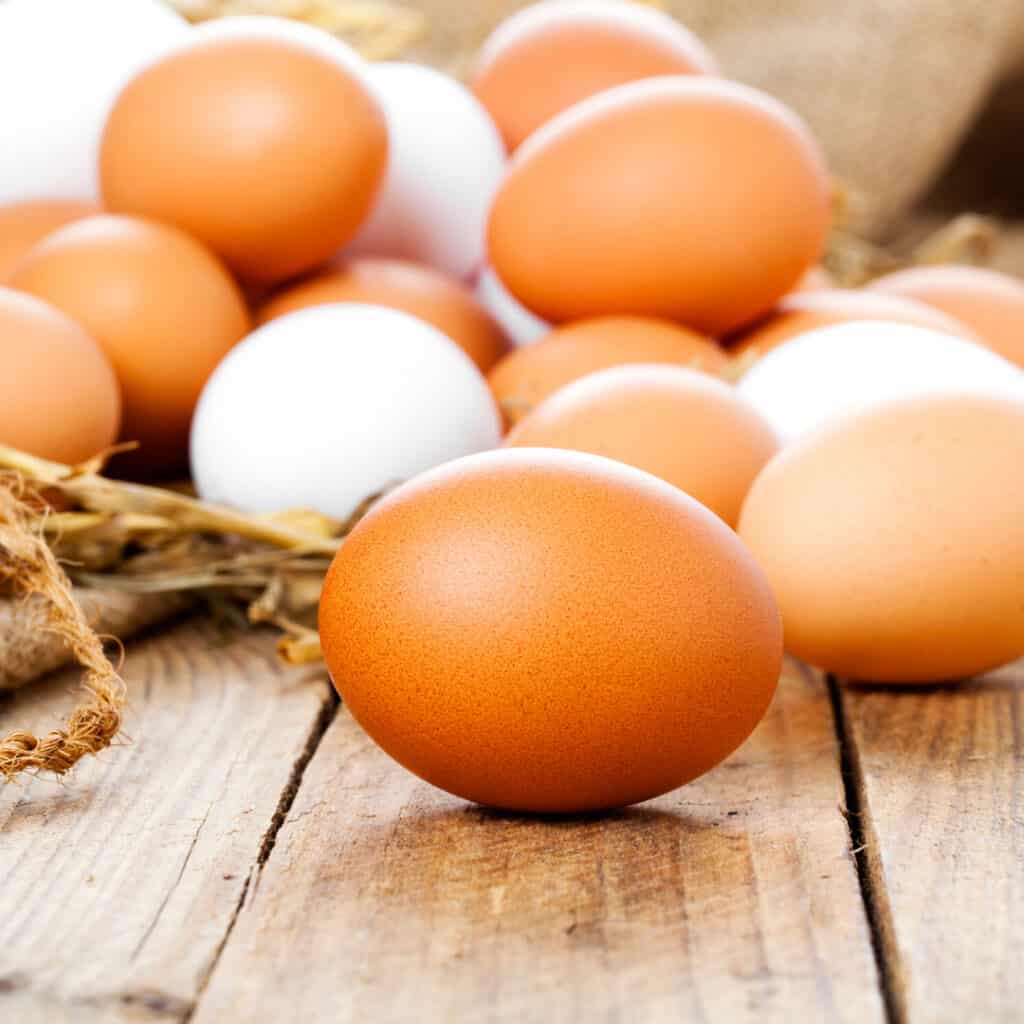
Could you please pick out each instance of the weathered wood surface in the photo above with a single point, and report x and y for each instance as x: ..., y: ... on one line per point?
x: 734, y: 899
x: 118, y: 888
x: 939, y: 773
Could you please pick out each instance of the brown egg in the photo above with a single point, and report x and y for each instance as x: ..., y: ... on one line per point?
x: 58, y: 393
x: 548, y: 56
x: 429, y: 294
x: 24, y: 224
x: 268, y: 150
x: 530, y: 374
x: 694, y: 199
x: 989, y: 303
x: 804, y: 311
x: 162, y: 307
x: 894, y: 540
x: 686, y: 427
x: 549, y: 631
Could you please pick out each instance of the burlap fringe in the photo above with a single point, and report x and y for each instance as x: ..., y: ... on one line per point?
x: 30, y: 568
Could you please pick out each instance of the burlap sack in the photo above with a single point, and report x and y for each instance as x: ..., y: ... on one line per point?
x: 890, y: 87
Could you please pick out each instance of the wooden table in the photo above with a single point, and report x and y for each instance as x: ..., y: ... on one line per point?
x: 251, y: 856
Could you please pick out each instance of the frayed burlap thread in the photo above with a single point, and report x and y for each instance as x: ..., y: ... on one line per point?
x: 29, y: 567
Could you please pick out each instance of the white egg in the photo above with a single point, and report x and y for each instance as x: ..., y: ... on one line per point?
x: 326, y: 406
x: 445, y: 161
x: 845, y: 368
x: 270, y: 26
x: 515, y: 319
x: 62, y: 65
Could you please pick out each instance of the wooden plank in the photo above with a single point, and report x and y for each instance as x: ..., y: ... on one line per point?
x: 733, y: 899
x: 939, y: 775
x: 118, y: 888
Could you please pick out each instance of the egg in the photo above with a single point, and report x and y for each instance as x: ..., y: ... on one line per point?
x: 803, y: 311
x: 24, y: 224
x: 894, y: 541
x: 62, y: 63
x: 815, y: 280
x: 162, y: 307
x: 678, y: 424
x: 548, y: 56
x: 810, y: 379
x: 268, y: 149
x: 516, y: 320
x: 549, y: 631
x: 58, y: 393
x: 988, y: 302
x: 694, y: 199
x: 432, y: 296
x: 330, y: 405
x: 445, y: 164
x: 527, y: 376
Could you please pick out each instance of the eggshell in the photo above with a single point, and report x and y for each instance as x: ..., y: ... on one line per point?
x: 894, y: 540
x: 549, y: 631
x: 330, y: 405
x: 62, y: 63
x: 817, y: 376
x: 24, y: 224
x: 428, y: 294
x: 162, y: 307
x: 548, y: 56
x: 803, y: 311
x: 990, y: 303
x: 516, y: 320
x: 527, y: 376
x: 444, y: 167
x: 680, y: 425
x: 694, y: 199
x: 268, y: 149
x: 58, y: 393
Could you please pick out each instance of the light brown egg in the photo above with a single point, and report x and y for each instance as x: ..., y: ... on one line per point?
x: 58, y: 393
x: 267, y: 150
x: 549, y: 631
x: 530, y: 374
x: 694, y: 199
x: 548, y: 56
x: 817, y: 279
x: 422, y: 291
x: 894, y: 540
x: 683, y: 426
x: 990, y: 303
x: 161, y: 306
x: 804, y: 311
x: 24, y: 224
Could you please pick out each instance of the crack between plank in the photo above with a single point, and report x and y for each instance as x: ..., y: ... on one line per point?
x: 325, y: 716
x: 867, y: 860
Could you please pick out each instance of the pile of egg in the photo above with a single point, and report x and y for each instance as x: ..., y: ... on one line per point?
x: 573, y: 307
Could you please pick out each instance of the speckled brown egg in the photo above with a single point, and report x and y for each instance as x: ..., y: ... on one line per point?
x: 24, y: 224
x: 894, y: 539
x: 162, y: 307
x: 58, y: 393
x: 269, y: 150
x: 549, y: 631
x: 683, y: 426
x: 429, y: 294
x: 684, y: 197
x: 548, y: 56
x: 804, y: 311
x: 988, y: 302
x: 531, y: 373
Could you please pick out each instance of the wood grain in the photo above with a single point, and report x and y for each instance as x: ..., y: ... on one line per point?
x: 734, y: 899
x: 940, y: 779
x: 118, y: 888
